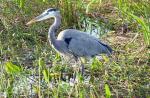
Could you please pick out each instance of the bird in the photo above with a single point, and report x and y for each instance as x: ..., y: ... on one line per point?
x: 71, y: 42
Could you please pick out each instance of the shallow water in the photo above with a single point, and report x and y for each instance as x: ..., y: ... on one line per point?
x: 93, y: 28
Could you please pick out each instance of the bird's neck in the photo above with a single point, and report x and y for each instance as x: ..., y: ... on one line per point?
x: 53, y: 29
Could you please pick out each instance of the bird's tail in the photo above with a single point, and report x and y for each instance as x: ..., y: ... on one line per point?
x: 109, y: 50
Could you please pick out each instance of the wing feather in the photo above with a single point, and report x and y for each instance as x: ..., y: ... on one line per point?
x: 82, y: 44
x: 85, y: 47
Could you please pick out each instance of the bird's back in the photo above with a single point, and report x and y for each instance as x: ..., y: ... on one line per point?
x: 72, y: 33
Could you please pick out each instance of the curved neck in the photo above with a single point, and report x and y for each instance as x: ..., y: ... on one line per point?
x: 52, y: 30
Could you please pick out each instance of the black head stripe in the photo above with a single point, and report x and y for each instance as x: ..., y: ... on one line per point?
x: 52, y: 9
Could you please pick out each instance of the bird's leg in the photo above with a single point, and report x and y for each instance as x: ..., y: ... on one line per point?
x: 82, y: 69
x: 75, y: 67
x: 74, y: 71
x: 82, y: 66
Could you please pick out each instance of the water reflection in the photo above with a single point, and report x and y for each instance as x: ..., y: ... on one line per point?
x: 94, y: 28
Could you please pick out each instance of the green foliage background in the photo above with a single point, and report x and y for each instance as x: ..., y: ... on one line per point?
x: 25, y: 53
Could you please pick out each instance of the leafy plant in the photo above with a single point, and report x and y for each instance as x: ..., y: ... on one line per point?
x: 12, y: 68
x: 107, y: 91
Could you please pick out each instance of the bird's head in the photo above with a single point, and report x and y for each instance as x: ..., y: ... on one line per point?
x: 51, y: 12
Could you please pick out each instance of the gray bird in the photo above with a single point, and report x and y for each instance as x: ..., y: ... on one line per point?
x: 71, y: 42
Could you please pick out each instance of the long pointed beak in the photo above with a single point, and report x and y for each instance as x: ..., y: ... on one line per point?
x: 31, y: 21
x: 38, y: 18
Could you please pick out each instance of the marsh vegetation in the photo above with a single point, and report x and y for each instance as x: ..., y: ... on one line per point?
x: 30, y: 67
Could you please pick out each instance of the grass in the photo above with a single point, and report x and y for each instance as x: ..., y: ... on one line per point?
x: 30, y: 67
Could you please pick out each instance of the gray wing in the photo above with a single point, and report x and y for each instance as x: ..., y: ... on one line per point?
x: 86, y: 47
x: 81, y: 44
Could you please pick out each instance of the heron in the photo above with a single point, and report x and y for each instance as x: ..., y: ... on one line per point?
x: 71, y: 42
